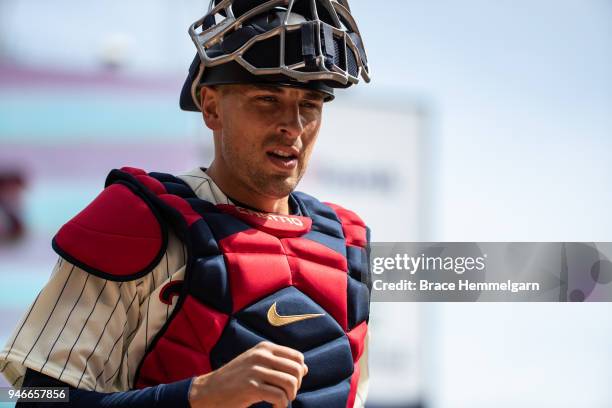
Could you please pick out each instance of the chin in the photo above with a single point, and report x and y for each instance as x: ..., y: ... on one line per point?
x: 280, y: 186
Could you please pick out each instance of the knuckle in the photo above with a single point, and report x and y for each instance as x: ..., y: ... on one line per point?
x: 253, y: 371
x: 252, y: 385
x: 293, y: 382
x: 296, y: 368
x: 266, y: 345
x: 289, y: 385
x: 298, y: 356
x: 258, y: 356
x: 294, y: 387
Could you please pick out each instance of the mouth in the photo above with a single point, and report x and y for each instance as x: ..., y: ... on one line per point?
x: 285, y: 158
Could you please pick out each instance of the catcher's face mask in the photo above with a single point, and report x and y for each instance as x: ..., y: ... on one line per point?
x: 312, y: 44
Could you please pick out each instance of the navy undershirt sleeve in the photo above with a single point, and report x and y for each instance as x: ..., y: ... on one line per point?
x: 175, y: 394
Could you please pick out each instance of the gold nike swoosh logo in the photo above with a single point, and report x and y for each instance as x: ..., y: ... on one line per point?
x: 277, y: 320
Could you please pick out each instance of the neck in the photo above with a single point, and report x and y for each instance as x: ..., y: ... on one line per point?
x: 244, y: 194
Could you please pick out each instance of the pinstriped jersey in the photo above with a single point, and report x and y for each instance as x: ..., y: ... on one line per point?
x: 92, y: 333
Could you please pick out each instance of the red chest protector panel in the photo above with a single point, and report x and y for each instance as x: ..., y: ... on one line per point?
x: 249, y: 275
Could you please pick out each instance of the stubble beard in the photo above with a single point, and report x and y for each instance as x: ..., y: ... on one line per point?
x: 259, y: 181
x: 277, y: 186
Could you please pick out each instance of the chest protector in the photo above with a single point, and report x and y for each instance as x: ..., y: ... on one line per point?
x: 299, y: 281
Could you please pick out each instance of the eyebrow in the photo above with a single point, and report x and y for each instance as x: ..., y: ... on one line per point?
x: 270, y: 88
x: 314, y: 95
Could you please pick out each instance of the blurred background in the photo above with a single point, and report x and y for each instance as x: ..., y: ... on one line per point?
x: 485, y: 121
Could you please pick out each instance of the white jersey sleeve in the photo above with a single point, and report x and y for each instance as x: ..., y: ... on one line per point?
x: 75, y: 329
x: 91, y: 332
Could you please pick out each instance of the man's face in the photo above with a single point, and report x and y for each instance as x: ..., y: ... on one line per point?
x: 265, y: 135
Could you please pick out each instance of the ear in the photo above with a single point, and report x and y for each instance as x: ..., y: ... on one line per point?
x: 210, y: 101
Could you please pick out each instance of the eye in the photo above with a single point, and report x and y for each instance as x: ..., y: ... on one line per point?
x: 310, y: 105
x: 267, y: 98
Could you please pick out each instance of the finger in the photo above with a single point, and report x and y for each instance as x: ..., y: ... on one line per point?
x: 287, y: 352
x: 272, y: 394
x: 284, y: 352
x: 287, y: 366
x: 282, y: 380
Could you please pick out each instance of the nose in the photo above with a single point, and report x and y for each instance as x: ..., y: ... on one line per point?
x: 291, y: 122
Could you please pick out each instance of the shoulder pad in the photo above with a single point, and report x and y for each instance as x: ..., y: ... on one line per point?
x: 119, y: 236
x: 355, y: 231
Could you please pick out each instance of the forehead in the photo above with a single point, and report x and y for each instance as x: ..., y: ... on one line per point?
x: 276, y: 89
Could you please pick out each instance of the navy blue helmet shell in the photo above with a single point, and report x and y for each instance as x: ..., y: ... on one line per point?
x: 312, y: 44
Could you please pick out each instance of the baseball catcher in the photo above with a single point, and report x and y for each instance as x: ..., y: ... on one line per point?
x: 222, y: 286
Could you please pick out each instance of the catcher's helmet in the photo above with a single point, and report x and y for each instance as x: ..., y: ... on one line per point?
x: 313, y: 44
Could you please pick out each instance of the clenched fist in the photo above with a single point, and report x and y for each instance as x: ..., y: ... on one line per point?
x: 266, y: 372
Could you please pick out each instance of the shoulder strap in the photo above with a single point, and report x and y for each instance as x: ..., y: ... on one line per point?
x: 353, y: 229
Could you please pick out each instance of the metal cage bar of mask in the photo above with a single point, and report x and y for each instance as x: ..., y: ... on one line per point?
x: 213, y: 33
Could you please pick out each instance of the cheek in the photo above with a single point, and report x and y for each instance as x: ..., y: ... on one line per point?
x: 309, y: 138
x: 236, y: 131
x: 241, y: 146
x: 245, y: 130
